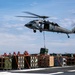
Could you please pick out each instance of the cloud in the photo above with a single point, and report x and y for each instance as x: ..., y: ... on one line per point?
x: 67, y: 23
x: 72, y: 11
x: 12, y: 18
x: 8, y: 38
x: 10, y: 22
x: 62, y: 46
x: 34, y: 4
x: 16, y: 42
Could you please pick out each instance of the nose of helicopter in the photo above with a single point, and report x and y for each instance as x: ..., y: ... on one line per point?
x: 28, y: 25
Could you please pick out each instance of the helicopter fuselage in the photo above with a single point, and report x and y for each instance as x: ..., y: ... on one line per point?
x: 50, y: 26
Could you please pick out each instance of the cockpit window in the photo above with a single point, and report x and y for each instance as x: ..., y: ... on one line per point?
x: 32, y: 22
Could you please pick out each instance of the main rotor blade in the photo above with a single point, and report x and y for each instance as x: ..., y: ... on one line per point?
x: 28, y: 16
x: 32, y: 14
x: 37, y: 15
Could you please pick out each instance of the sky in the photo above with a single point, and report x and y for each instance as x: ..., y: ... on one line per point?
x: 15, y: 37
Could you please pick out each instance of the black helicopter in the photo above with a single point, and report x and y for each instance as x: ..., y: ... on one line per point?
x: 43, y: 25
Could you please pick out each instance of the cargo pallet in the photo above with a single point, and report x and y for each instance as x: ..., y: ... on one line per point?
x: 26, y: 61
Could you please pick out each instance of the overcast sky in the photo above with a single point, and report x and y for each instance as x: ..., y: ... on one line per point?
x: 15, y: 37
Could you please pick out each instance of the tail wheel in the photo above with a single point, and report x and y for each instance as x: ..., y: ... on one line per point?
x: 68, y: 36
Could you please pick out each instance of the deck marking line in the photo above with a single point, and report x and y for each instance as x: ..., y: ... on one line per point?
x: 56, y: 73
x: 24, y: 70
x: 71, y: 70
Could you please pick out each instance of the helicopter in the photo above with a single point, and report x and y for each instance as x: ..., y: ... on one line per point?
x: 45, y: 25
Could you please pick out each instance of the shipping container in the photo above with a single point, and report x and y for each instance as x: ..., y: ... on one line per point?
x: 34, y: 60
x: 18, y: 62
x: 14, y: 62
x: 21, y: 62
x: 5, y: 63
x: 45, y: 61
x: 70, y: 61
x: 58, y: 61
x: 51, y: 61
x: 1, y: 63
x: 27, y: 62
x: 31, y: 61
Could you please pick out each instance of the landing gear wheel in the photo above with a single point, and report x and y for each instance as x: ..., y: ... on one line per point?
x: 40, y: 30
x: 34, y: 31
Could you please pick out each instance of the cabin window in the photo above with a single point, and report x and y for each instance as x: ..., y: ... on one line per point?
x: 46, y: 26
x: 51, y: 27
